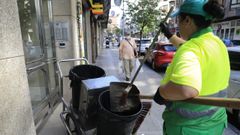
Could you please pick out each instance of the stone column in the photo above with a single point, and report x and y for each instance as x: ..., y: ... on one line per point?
x: 16, y: 115
x: 88, y: 34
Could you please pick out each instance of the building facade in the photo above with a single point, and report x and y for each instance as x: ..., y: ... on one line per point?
x: 229, y: 27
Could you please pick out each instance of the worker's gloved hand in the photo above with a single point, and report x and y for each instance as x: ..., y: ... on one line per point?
x: 160, y: 100
x: 165, y: 30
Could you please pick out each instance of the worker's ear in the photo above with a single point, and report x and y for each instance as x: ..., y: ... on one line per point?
x: 188, y: 20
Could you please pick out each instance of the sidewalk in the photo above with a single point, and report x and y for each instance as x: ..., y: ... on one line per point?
x: 147, y: 82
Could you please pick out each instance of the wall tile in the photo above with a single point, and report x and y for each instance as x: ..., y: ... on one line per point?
x: 15, y: 110
x: 10, y: 33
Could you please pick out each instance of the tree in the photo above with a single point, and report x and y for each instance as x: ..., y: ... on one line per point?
x: 144, y: 15
x: 117, y: 31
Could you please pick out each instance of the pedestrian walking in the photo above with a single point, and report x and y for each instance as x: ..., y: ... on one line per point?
x: 127, y: 53
x: 200, y: 67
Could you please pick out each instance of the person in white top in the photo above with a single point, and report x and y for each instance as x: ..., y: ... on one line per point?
x: 126, y: 54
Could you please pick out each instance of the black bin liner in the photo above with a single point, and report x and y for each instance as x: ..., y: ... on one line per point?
x: 112, y: 123
x: 79, y: 73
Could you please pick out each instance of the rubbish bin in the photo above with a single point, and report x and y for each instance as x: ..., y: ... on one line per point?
x: 112, y: 123
x: 79, y: 73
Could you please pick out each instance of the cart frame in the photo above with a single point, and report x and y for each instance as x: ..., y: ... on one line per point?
x: 68, y: 112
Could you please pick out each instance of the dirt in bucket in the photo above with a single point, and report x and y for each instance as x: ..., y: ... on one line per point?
x: 120, y: 100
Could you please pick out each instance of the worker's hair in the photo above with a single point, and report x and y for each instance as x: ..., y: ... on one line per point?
x: 213, y: 8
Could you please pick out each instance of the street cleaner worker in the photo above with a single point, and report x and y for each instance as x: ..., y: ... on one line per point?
x: 200, y: 67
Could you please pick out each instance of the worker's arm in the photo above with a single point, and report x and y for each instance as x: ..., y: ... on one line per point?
x: 172, y: 91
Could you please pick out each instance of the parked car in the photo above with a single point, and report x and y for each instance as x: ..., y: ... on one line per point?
x: 233, y: 90
x: 234, y: 56
x: 227, y: 42
x: 236, y: 42
x: 161, y: 55
x: 145, y: 43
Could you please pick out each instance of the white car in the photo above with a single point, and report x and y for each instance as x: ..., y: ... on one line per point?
x: 145, y: 43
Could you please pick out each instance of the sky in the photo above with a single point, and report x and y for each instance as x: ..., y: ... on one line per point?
x: 116, y: 11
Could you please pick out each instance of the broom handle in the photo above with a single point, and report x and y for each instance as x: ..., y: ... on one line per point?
x: 214, y: 101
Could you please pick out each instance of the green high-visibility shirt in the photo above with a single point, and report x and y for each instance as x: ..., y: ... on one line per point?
x: 202, y: 63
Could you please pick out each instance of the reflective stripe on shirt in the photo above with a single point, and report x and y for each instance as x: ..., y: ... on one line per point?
x: 193, y: 114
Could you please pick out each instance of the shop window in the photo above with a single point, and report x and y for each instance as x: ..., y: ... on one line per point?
x: 235, y: 4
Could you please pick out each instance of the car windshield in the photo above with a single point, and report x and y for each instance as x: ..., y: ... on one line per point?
x: 169, y: 48
x: 143, y: 41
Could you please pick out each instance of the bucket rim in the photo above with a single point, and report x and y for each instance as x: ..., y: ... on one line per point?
x: 108, y: 111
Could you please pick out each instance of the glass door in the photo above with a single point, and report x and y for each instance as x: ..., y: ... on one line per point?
x: 30, y: 30
x: 50, y: 56
x: 37, y: 34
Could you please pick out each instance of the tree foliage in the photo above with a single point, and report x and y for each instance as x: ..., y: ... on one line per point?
x: 143, y: 15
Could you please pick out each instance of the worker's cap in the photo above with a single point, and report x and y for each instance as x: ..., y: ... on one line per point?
x: 193, y: 7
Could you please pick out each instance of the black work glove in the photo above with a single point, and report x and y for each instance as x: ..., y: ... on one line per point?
x: 165, y: 30
x: 160, y: 100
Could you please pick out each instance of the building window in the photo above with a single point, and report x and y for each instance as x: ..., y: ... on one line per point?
x: 233, y: 23
x: 222, y: 33
x: 235, y: 4
x: 226, y: 33
x: 238, y: 22
x: 232, y: 33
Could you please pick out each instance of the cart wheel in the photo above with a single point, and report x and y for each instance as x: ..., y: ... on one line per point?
x: 71, y: 123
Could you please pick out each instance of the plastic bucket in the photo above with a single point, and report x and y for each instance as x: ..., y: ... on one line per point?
x: 112, y: 123
x: 79, y: 73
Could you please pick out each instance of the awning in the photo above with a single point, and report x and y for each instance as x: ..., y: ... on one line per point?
x: 100, y: 7
x: 97, y: 7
